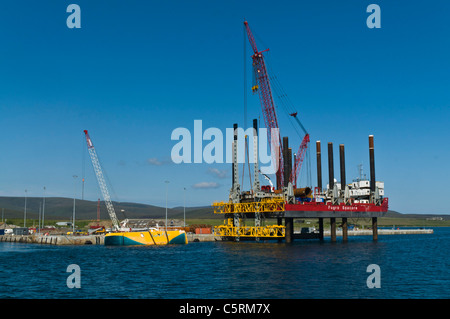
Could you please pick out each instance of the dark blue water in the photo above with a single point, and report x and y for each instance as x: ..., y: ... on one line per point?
x: 411, y: 266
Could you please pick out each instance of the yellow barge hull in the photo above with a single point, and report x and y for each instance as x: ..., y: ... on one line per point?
x: 147, y: 238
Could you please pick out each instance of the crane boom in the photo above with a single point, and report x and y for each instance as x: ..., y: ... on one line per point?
x: 101, y: 181
x: 270, y: 116
x: 301, y: 152
x: 267, y: 103
x: 299, y: 160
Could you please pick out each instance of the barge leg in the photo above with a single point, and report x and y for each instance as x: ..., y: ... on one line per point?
x: 333, y: 229
x: 344, y: 229
x: 289, y: 224
x: 372, y: 166
x: 321, y: 229
x: 375, y: 228
x: 319, y: 166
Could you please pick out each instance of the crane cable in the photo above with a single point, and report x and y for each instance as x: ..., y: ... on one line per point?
x: 245, y: 112
x: 245, y: 80
x: 288, y: 106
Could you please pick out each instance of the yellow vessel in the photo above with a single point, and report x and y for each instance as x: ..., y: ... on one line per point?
x: 148, y: 237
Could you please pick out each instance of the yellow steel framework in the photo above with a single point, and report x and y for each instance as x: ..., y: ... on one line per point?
x: 272, y: 231
x: 265, y: 206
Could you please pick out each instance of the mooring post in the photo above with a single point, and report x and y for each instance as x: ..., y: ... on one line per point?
x: 344, y: 229
x: 375, y: 228
x: 333, y: 228
x: 289, y: 224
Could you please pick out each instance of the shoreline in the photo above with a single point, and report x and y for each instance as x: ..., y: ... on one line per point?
x: 192, y: 238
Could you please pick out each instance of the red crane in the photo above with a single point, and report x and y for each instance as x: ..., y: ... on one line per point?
x: 266, y: 98
x: 269, y: 112
x: 300, y: 154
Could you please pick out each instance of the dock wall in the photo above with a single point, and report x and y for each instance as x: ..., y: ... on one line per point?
x: 326, y: 233
x: 368, y: 232
x: 54, y: 239
x: 192, y: 238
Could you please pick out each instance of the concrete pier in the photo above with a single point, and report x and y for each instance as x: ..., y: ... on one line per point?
x: 192, y: 238
x: 196, y: 238
x: 369, y: 232
x: 54, y: 239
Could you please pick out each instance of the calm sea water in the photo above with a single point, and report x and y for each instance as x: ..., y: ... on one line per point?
x: 412, y: 266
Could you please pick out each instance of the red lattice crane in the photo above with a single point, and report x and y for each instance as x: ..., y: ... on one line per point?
x: 269, y: 112
x: 266, y: 98
x: 300, y: 154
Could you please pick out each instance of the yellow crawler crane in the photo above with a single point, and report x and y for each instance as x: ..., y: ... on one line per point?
x: 266, y: 205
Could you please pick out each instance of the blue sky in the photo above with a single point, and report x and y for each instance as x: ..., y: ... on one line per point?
x: 137, y: 70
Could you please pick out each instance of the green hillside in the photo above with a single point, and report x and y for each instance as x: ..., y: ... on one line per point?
x: 58, y: 208
x: 62, y: 209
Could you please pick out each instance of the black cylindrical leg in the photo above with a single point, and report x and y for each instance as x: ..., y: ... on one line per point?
x: 344, y: 229
x: 375, y: 228
x: 333, y: 229
x: 342, y: 162
x: 330, y: 166
x: 372, y: 164
x: 321, y: 229
x: 319, y: 166
x: 289, y: 224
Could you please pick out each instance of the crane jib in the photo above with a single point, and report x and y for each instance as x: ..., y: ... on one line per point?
x: 88, y: 139
x: 267, y: 102
x: 101, y: 182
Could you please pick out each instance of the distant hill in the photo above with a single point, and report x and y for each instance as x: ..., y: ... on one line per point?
x: 197, y: 212
x: 62, y: 209
x: 394, y: 214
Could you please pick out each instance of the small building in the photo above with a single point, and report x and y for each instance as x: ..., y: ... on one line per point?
x: 20, y: 231
x: 64, y: 224
x: 4, y: 228
x: 203, y: 231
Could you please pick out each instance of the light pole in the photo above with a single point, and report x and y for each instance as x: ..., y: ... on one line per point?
x: 167, y: 190
x: 82, y: 189
x: 39, y: 220
x: 25, y: 211
x: 43, y: 208
x: 74, y: 193
x: 124, y: 222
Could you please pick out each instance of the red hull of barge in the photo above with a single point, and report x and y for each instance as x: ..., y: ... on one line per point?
x: 327, y: 207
